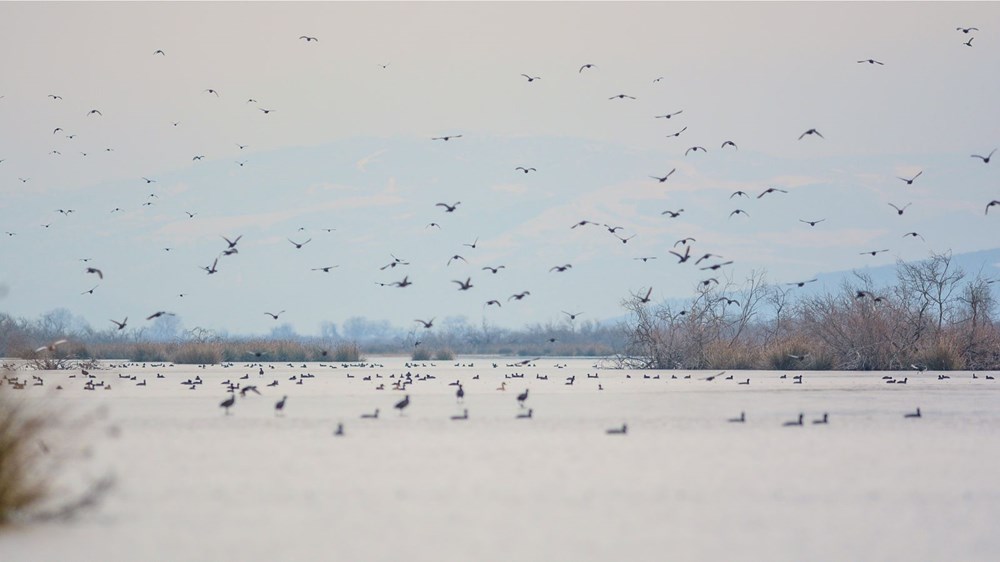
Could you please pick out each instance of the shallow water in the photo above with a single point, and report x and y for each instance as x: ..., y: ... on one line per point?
x: 683, y: 484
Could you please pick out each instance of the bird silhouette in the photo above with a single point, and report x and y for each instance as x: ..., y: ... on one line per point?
x: 871, y: 61
x: 560, y: 268
x: 966, y: 29
x: 531, y: 78
x: 404, y: 283
x: 873, y: 252
x: 473, y: 245
x: 991, y: 204
x: 447, y: 138
x: 682, y: 258
x: 572, y: 316
x: 771, y: 190
x: 664, y: 178
x: 90, y: 291
x: 673, y: 214
x: 464, y: 286
x: 584, y: 223
x: 812, y: 223
x: 211, y: 91
x: 279, y: 407
x: 456, y: 257
x: 121, y: 325
x: 159, y: 52
x: 644, y: 259
x: 325, y: 269
x: 811, y: 132
x: 969, y: 42
x: 899, y: 210
x: 212, y: 269
x: 717, y: 266
x: 739, y: 212
x: 297, y: 245
x: 585, y: 66
x: 427, y: 324
x: 228, y: 403
x: 308, y: 38
x: 739, y: 194
x: 518, y: 296
x: 525, y: 170
x: 624, y: 240
x: 909, y: 181
x: 669, y: 115
x: 274, y: 315
x: 494, y: 270
x: 98, y: 272
x: 985, y: 159
x: 915, y: 235
x: 645, y: 299
x: 694, y: 149
x: 158, y: 314
x: 402, y: 404
x: 800, y: 283
x: 493, y: 301
x: 678, y: 133
x: 448, y: 208
x: 621, y: 97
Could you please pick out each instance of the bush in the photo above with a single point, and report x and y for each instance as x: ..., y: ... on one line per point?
x: 420, y: 355
x: 444, y: 355
x: 21, y: 483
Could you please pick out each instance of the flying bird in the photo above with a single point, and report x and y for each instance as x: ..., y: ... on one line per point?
x: 812, y: 223
x: 232, y: 243
x: 525, y: 170
x: 729, y: 143
x: 664, y: 178
x: 645, y: 299
x: 325, y: 269
x: 695, y: 149
x: 899, y: 211
x: 404, y: 283
x: 448, y: 208
x: 584, y: 223
x: 871, y: 61
x: 739, y: 212
x: 800, y: 283
x: 212, y: 269
x: 969, y: 42
x: 811, y: 132
x: 673, y: 214
x: 682, y: 258
x: 669, y: 115
x: 308, y: 39
x: 94, y: 111
x: 297, y: 245
x: 585, y: 66
x: 496, y: 302
x: 678, y: 133
x: 274, y: 315
x: 915, y: 235
x: 985, y: 159
x: 456, y: 257
x: 121, y: 325
x: 494, y: 270
x: 872, y: 252
x: 427, y: 324
x: 560, y: 268
x: 98, y: 272
x: 966, y: 29
x: 464, y: 286
x: 572, y: 316
x: 518, y: 296
x: 715, y: 267
x: 447, y: 138
x: 621, y: 97
x: 531, y: 78
x: 771, y: 190
x: 159, y: 52
x: 211, y: 91
x: 158, y: 314
x: 991, y: 204
x: 910, y: 180
x: 473, y: 245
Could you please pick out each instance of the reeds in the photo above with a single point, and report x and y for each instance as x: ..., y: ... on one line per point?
x: 22, y: 481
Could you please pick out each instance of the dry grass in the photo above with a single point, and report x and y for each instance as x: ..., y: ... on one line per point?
x: 22, y: 478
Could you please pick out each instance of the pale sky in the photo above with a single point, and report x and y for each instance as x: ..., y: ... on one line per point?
x: 348, y: 147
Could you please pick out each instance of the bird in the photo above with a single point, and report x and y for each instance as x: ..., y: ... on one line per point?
x: 812, y: 223
x: 158, y: 314
x: 991, y: 204
x: 669, y: 115
x: 51, y: 347
x: 212, y: 269
x: 190, y: 214
x: 404, y: 283
x: 464, y: 286
x: 811, y: 132
x: 266, y: 111
x: 456, y: 257
x: 584, y: 223
x: 297, y: 245
x: 98, y: 272
x: 913, y: 414
x: 308, y: 38
x: 447, y: 138
x: 340, y: 430
x: 801, y: 283
x: 531, y: 78
x: 148, y: 181
x: 402, y: 404
x: 644, y: 259
x: 684, y: 241
x: 228, y: 403
x: 673, y: 214
x: 966, y: 29
x: 494, y: 270
x: 899, y: 210
x: 280, y: 405
x: 645, y: 299
x: 572, y: 316
x: 522, y: 397
x: 739, y: 212
x: 55, y: 97
x: 493, y: 301
x: 241, y: 163
x: 618, y: 430
x: 426, y: 323
x: 560, y: 268
x: 794, y: 423
x: 625, y: 240
x: 159, y: 52
x: 525, y: 415
x: 370, y: 416
x: 715, y: 267
x: 95, y: 112
x: 525, y: 170
x: 274, y: 315
x: 915, y: 235
x: 621, y: 97
x: 395, y: 261
x: 871, y: 61
x: 873, y: 252
x: 448, y: 208
x: 771, y: 190
x: 985, y: 159
x: 121, y: 325
x: 741, y: 419
x: 664, y: 178
x: 518, y: 296
x: 909, y: 181
x: 824, y: 420
x: 705, y: 257
x: 678, y: 133
x: 434, y: 224
x: 91, y: 291
x: 325, y: 269
x: 463, y: 416
x: 211, y: 91
x: 969, y: 42
x: 588, y: 65
x: 694, y: 149
x: 729, y: 143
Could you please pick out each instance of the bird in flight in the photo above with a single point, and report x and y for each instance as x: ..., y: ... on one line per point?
x: 121, y: 325
x: 966, y: 29
x: 915, y: 235
x: 624, y: 240
x: 518, y: 296
x: 739, y: 212
x: 771, y: 190
x: 812, y: 223
x: 800, y: 283
x: 729, y: 143
x: 448, y: 208
x: 493, y: 301
x: 494, y: 270
x: 717, y: 266
x: 899, y: 211
x: 297, y: 245
x: 531, y: 78
x: 991, y: 204
x: 427, y: 324
x: 401, y: 284
x: 621, y: 97
x: 584, y: 223
x: 159, y: 52
x: 211, y: 91
x: 325, y: 269
x: 198, y: 157
x: 588, y: 65
x: 872, y: 252
x: 464, y: 286
x: 684, y: 241
x: 148, y: 181
x: 91, y: 291
x: 96, y: 271
x: 447, y: 137
x: 525, y: 170
x: 695, y: 149
x: 308, y: 39
x: 212, y: 269
x: 395, y: 261
x: 232, y: 243
x: 871, y: 61
x: 645, y: 299
x: 158, y: 314
x: 572, y: 316
x: 811, y: 132
x: 473, y: 245
x: 560, y: 268
x: 682, y: 258
x: 969, y: 42
x: 644, y: 259
x: 985, y: 159
x: 678, y: 133
x: 705, y: 257
x: 669, y: 115
x: 456, y: 257
x: 739, y: 193
x: 55, y: 97
x: 274, y: 315
x: 673, y: 214
x: 664, y: 178
x: 266, y: 111
x: 910, y: 180
x: 93, y: 112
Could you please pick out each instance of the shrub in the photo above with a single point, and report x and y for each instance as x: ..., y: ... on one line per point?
x: 21, y: 482
x: 444, y: 355
x: 420, y: 355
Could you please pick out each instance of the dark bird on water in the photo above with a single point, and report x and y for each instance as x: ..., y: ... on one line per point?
x: 280, y: 405
x: 402, y: 404
x: 228, y: 403
x: 913, y: 414
x: 618, y: 430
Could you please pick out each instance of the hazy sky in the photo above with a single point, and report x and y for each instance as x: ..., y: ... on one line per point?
x: 348, y: 147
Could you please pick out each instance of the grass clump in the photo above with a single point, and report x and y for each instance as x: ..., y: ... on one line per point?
x: 21, y: 486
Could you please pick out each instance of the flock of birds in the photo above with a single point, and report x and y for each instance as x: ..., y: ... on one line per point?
x: 682, y: 248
